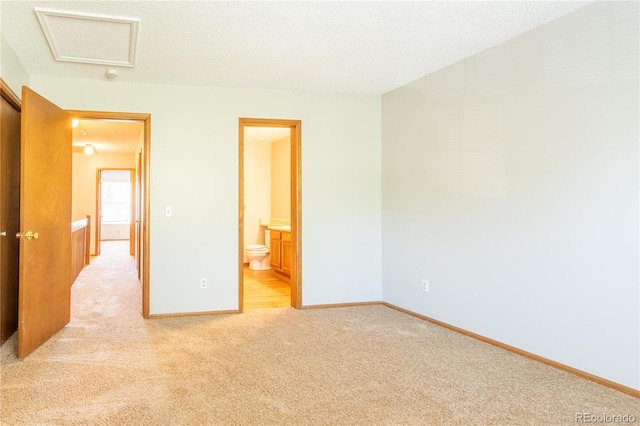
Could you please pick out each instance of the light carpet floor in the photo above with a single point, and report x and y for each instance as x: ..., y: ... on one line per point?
x: 368, y: 365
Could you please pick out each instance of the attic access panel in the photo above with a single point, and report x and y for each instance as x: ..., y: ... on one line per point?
x: 89, y: 38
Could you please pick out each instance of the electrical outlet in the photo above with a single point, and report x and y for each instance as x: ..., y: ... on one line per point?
x: 203, y: 283
x: 425, y: 286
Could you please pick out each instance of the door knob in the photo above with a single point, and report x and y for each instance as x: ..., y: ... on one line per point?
x: 28, y: 235
x: 3, y: 233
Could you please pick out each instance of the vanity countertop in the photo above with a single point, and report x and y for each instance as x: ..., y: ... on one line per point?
x: 283, y: 228
x: 275, y: 224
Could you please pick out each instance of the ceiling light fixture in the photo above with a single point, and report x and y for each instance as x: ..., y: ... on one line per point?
x: 89, y: 149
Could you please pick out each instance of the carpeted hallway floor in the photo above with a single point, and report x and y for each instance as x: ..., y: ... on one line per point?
x: 367, y: 365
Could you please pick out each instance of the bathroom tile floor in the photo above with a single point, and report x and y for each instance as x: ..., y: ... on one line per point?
x: 264, y: 289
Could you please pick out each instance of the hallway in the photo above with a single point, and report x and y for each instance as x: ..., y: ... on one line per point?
x: 109, y: 284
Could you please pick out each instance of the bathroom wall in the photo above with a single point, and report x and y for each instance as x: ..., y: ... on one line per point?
x: 281, y: 179
x: 511, y: 183
x: 267, y: 186
x: 257, y: 190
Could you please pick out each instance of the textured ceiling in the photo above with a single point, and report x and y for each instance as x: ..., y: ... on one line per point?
x: 346, y: 47
x: 113, y: 40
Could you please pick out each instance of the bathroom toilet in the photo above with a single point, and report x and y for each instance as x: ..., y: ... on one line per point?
x: 258, y: 257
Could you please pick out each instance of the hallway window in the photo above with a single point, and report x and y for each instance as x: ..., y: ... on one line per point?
x: 116, y: 197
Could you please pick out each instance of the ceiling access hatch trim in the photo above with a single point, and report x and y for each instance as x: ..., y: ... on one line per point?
x: 89, y: 38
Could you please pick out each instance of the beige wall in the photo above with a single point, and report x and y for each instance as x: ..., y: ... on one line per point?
x: 281, y: 179
x: 510, y: 182
x: 194, y: 169
x: 11, y: 69
x: 84, y: 183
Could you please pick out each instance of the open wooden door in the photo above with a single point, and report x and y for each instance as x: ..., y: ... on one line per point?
x: 98, y: 211
x: 132, y: 215
x: 45, y: 222
x: 9, y: 209
x: 138, y: 215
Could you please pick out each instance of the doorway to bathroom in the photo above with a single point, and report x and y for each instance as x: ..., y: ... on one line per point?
x: 269, y: 214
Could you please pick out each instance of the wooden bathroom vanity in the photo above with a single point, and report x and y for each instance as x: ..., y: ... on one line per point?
x: 281, y: 252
